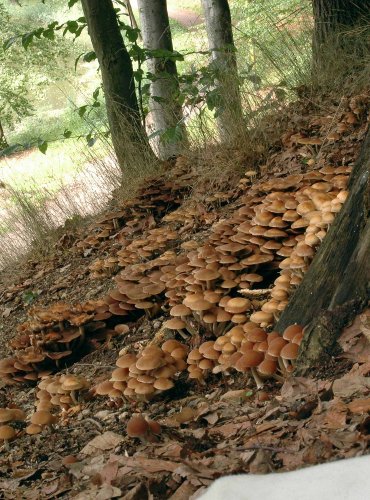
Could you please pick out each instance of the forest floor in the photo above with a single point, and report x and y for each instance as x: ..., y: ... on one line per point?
x: 225, y: 426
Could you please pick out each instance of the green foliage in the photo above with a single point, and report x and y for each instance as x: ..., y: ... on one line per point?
x: 29, y: 68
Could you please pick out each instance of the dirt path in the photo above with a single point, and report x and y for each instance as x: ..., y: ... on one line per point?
x: 185, y: 17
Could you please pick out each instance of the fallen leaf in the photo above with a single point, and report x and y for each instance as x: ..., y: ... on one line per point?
x: 359, y: 406
x: 350, y: 385
x: 106, y: 441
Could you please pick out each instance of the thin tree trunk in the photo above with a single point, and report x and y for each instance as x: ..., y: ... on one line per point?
x: 337, y: 284
x: 221, y: 45
x: 118, y: 80
x: 3, y: 142
x: 165, y: 111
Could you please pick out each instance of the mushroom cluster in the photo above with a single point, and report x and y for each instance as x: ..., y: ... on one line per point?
x: 155, y: 198
x: 144, y: 375
x: 53, y: 392
x: 143, y: 429
x: 262, y: 251
x: 9, y: 416
x: 247, y: 348
x: 52, y: 337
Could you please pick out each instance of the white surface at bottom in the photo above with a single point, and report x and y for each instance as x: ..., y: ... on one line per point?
x: 341, y: 480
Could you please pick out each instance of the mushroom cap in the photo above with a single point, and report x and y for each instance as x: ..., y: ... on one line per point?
x: 237, y: 305
x: 154, y: 427
x: 249, y: 360
x: 291, y: 331
x: 42, y: 417
x: 180, y: 310
x: 267, y: 367
x: 120, y: 375
x: 73, y: 383
x: 172, y: 344
x: 104, y: 388
x: 262, y: 317
x: 206, y: 275
x: 126, y: 360
x: 143, y: 389
x: 276, y: 346
x: 257, y: 335
x: 163, y: 384
x: 6, y: 432
x: 174, y: 324
x: 289, y: 352
x: 6, y: 415
x: 33, y: 429
x: 137, y: 426
x: 150, y: 362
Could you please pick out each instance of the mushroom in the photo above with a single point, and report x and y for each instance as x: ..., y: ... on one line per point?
x: 7, y: 433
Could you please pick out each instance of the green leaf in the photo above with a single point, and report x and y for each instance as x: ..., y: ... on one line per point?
x: 82, y: 110
x: 71, y: 3
x: 67, y: 134
x: 9, y: 42
x: 96, y: 93
x: 89, y: 56
x: 43, y: 146
x: 27, y: 40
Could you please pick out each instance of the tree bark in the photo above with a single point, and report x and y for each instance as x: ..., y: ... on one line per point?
x: 337, y: 284
x: 165, y: 111
x: 3, y: 142
x: 221, y: 45
x: 333, y: 17
x: 118, y: 80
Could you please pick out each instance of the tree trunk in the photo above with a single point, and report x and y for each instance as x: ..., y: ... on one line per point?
x: 166, y: 113
x: 221, y: 45
x: 125, y: 125
x: 337, y: 284
x: 332, y: 19
x: 3, y: 142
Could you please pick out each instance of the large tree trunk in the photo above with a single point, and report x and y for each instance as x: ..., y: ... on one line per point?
x: 166, y: 114
x: 221, y: 45
x: 125, y: 125
x: 337, y: 283
x: 333, y: 19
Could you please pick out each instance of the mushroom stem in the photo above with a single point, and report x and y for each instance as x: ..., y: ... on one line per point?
x: 257, y: 378
x: 282, y: 366
x: 82, y: 337
x: 183, y: 334
x: 73, y: 397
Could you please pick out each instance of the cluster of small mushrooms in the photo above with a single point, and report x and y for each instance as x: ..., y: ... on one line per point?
x: 54, y: 336
x: 222, y: 295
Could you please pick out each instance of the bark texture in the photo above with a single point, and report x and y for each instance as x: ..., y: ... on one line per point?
x: 337, y: 283
x: 221, y: 45
x: 117, y: 76
x: 3, y: 142
x: 164, y: 89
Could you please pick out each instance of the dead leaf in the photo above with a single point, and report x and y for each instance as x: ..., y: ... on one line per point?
x: 109, y: 472
x: 359, y: 406
x: 106, y: 441
x: 6, y: 312
x: 184, y: 491
x: 350, y: 385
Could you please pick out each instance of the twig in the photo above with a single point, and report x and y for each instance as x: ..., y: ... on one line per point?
x: 256, y: 292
